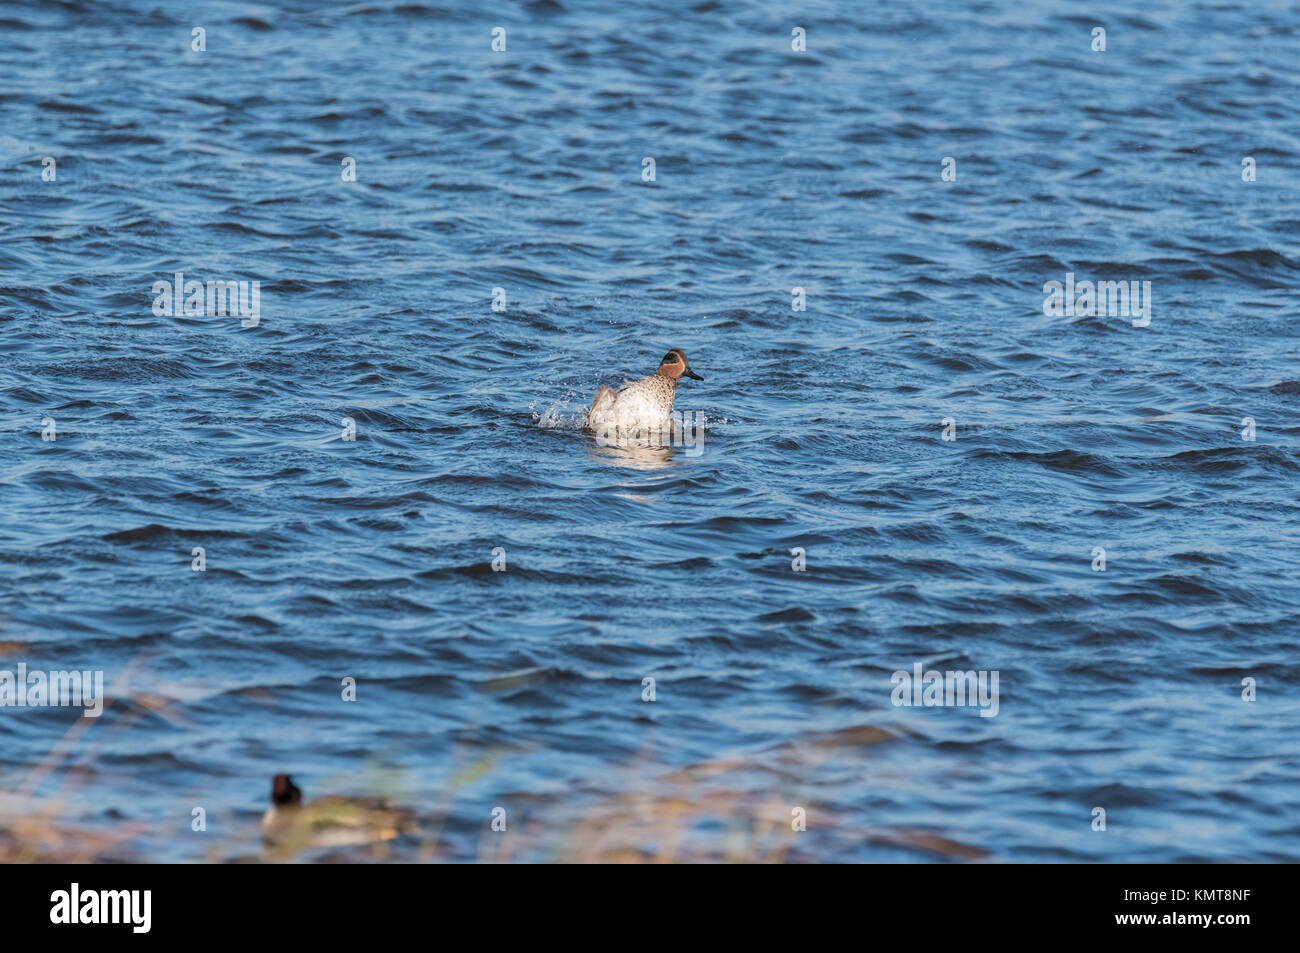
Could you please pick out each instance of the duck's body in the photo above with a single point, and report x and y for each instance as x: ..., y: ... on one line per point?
x: 333, y: 821
x: 645, y: 405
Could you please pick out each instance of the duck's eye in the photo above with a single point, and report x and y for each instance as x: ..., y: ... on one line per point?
x: 669, y: 358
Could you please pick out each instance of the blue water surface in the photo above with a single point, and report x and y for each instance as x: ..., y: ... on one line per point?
x: 826, y: 536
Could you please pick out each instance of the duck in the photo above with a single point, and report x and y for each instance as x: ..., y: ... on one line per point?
x: 642, y: 405
x: 332, y: 821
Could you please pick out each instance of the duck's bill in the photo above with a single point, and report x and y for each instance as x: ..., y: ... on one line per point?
x: 694, y: 376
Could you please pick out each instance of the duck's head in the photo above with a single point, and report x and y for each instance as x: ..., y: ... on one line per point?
x: 284, y: 792
x: 675, y: 365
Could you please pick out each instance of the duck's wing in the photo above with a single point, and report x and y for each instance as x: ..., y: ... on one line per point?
x: 376, y: 816
x: 604, y: 398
